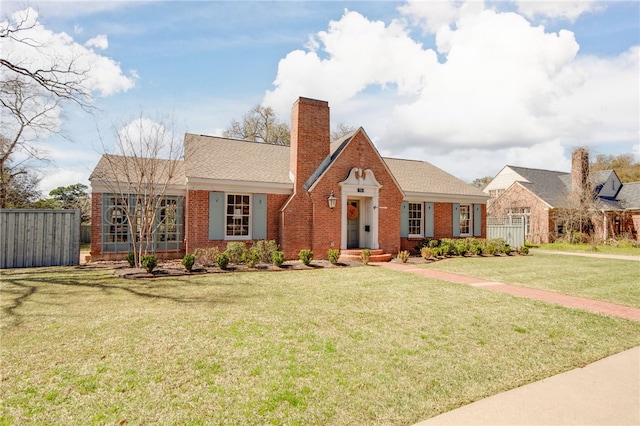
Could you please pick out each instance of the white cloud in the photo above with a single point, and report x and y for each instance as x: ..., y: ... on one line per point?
x: 144, y: 137
x: 100, y: 41
x: 503, y: 89
x: 566, y: 9
x: 355, y: 53
x: 47, y: 48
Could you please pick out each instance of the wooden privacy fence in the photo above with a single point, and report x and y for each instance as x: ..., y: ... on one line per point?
x: 510, y: 229
x: 31, y: 238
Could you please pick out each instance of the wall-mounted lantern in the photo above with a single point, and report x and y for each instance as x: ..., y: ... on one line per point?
x: 332, y: 201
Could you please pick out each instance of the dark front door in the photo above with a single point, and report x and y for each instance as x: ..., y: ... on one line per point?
x: 353, y: 224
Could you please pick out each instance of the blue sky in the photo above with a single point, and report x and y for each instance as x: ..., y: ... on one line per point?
x: 469, y: 87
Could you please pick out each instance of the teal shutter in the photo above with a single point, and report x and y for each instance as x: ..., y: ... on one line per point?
x: 455, y: 231
x: 259, y: 221
x: 477, y: 220
x: 428, y: 220
x: 404, y: 219
x: 216, y: 215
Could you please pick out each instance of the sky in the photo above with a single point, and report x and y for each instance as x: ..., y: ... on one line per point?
x: 468, y: 86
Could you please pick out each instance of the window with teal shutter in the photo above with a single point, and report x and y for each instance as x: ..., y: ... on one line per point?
x: 429, y: 220
x: 404, y: 219
x: 216, y: 215
x: 477, y: 220
x: 455, y: 231
x: 259, y: 216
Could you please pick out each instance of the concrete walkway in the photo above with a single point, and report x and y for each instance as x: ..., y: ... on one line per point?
x: 606, y: 392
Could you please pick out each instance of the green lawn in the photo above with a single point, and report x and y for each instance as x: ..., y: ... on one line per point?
x: 610, y: 280
x: 326, y: 346
x: 621, y: 248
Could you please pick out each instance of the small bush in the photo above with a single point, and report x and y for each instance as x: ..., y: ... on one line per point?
x: 235, y: 251
x: 222, y: 260
x: 306, y: 256
x: 365, y: 256
x: 206, y: 256
x: 475, y: 247
x: 265, y: 249
x: 448, y: 247
x: 437, y: 251
x: 506, y: 249
x: 333, y: 255
x: 187, y: 261
x: 277, y: 258
x: 426, y: 253
x: 251, y: 257
x: 491, y: 249
x: 462, y: 247
x: 403, y: 256
x: 524, y: 250
x: 131, y: 259
x: 149, y: 262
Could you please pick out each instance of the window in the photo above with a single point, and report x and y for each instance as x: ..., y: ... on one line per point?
x: 495, y: 193
x: 521, y: 214
x: 238, y: 216
x: 465, y: 220
x: 168, y: 220
x: 416, y: 217
x: 117, y: 230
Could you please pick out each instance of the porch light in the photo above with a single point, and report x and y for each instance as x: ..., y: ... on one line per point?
x: 332, y: 201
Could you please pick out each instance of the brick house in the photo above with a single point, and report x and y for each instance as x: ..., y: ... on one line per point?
x: 543, y: 197
x: 314, y: 194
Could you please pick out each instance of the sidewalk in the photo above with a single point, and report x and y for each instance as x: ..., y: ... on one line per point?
x: 606, y: 392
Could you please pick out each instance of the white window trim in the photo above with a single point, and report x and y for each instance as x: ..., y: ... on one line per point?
x: 226, y: 206
x: 422, y: 220
x: 470, y: 233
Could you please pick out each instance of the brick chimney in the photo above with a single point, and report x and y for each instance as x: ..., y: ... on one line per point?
x: 580, y: 174
x: 310, y: 138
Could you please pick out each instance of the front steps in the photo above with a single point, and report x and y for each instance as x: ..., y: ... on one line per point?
x: 377, y: 255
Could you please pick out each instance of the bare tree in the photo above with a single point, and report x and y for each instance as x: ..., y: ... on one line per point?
x: 342, y: 129
x: 27, y: 115
x: 260, y: 124
x: 63, y: 78
x: 146, y: 163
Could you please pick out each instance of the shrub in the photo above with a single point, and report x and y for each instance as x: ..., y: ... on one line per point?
x: 187, y: 261
x: 426, y: 253
x: 131, y: 258
x: 475, y: 247
x: 365, y: 255
x: 403, y: 256
x: 434, y: 243
x: 306, y: 256
x: 277, y: 258
x: 491, y: 249
x: 206, y: 256
x: 265, y: 249
x: 506, y: 249
x: 524, y: 250
x: 222, y: 260
x: 437, y: 251
x: 462, y: 247
x: 333, y: 255
x: 448, y: 247
x: 149, y: 262
x: 251, y: 257
x: 235, y: 251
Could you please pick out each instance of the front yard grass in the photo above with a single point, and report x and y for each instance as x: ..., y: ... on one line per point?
x: 609, y: 280
x: 328, y: 346
x: 622, y: 248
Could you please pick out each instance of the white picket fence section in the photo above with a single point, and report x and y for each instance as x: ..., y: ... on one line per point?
x: 31, y: 238
x: 511, y: 229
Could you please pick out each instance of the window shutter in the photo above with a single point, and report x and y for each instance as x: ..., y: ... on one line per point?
x: 428, y: 220
x: 216, y: 215
x: 259, y: 222
x: 477, y: 220
x: 455, y: 231
x: 404, y: 219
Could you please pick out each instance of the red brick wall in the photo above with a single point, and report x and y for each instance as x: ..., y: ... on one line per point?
x: 197, y: 221
x: 96, y: 224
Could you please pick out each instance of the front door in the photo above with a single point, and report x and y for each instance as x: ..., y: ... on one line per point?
x: 353, y: 224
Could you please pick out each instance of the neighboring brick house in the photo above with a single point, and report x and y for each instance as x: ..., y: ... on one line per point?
x: 540, y: 197
x: 236, y: 190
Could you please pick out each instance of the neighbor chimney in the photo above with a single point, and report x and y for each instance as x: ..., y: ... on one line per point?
x: 580, y: 174
x: 310, y: 138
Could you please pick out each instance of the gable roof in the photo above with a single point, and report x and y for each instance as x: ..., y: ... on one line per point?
x: 422, y: 177
x: 629, y: 195
x: 223, y: 159
x: 113, y: 168
x: 550, y: 186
